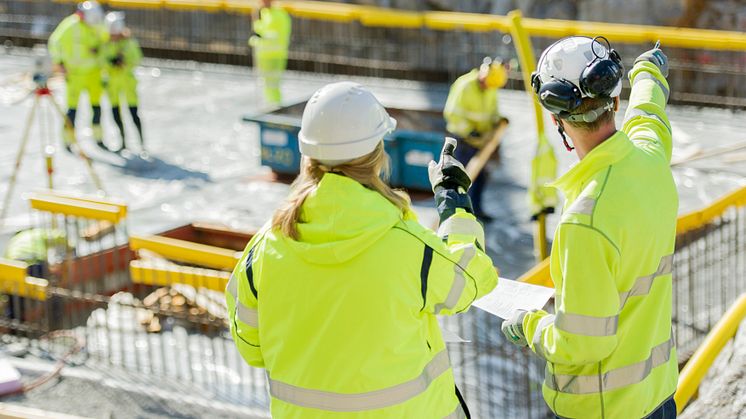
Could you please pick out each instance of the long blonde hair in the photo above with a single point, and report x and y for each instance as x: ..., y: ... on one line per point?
x: 366, y: 170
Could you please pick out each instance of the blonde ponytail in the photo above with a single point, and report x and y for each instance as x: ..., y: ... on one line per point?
x: 365, y: 170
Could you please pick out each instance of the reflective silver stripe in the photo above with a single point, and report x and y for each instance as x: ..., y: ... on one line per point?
x: 634, y: 112
x: 583, y: 205
x: 614, y: 379
x: 456, y: 414
x: 459, y: 282
x: 247, y: 315
x: 342, y: 402
x: 465, y: 226
x: 643, y: 284
x: 580, y: 324
x: 544, y: 322
x: 232, y: 287
x: 647, y: 76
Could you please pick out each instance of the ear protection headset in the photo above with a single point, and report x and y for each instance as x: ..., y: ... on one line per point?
x: 598, y: 80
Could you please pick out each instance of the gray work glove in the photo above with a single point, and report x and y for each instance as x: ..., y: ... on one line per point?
x: 657, y: 57
x: 448, y: 173
x: 512, y: 328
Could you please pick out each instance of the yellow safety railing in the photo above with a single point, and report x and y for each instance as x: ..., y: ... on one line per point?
x: 70, y: 205
x: 152, y: 273
x: 187, y: 252
x: 382, y: 17
x: 691, y: 221
x: 14, y: 281
x: 696, y: 369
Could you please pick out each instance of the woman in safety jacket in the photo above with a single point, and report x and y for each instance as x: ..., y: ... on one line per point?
x: 336, y: 298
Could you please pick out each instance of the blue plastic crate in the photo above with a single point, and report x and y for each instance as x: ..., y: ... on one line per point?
x: 279, y: 145
x: 416, y: 149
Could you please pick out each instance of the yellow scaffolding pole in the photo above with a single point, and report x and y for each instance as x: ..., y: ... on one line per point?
x: 696, y: 369
x: 14, y: 281
x: 446, y: 21
x: 153, y: 273
x: 78, y: 207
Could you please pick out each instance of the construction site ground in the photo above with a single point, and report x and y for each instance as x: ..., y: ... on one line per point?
x: 204, y: 166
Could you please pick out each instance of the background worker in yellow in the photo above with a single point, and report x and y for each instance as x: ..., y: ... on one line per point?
x: 121, y: 54
x: 609, y: 348
x: 75, y: 47
x: 270, y: 40
x: 472, y: 115
x: 336, y: 298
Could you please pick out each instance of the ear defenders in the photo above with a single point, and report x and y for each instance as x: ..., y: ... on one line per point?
x: 598, y: 79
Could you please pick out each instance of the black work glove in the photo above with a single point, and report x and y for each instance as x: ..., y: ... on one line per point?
x: 450, y: 182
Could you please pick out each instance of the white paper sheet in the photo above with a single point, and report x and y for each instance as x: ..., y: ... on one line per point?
x: 511, y: 295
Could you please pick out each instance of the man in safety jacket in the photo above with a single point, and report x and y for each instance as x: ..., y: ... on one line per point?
x: 472, y: 115
x: 609, y: 346
x: 121, y: 55
x: 75, y: 47
x: 270, y: 41
x: 342, y: 316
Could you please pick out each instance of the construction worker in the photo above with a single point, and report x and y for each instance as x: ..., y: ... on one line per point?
x: 472, y: 116
x: 32, y: 246
x: 121, y: 54
x: 75, y: 47
x: 337, y: 296
x: 270, y: 40
x: 609, y: 347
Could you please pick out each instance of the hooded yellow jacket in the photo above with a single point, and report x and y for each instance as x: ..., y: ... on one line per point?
x: 343, y: 320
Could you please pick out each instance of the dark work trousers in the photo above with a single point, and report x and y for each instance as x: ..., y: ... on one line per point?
x: 464, y: 153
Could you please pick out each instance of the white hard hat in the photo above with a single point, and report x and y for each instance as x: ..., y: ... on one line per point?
x: 91, y: 11
x: 115, y: 22
x: 342, y: 121
x: 567, y: 58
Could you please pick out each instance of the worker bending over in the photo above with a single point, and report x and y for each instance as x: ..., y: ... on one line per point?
x: 121, y: 55
x: 609, y: 348
x: 337, y: 296
x: 472, y: 116
x: 75, y: 47
x: 270, y: 40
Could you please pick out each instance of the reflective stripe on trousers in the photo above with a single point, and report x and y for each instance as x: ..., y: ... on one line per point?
x: 247, y: 315
x: 459, y: 281
x: 342, y: 402
x: 614, y: 379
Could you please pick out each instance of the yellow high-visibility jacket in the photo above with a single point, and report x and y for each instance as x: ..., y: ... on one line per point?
x: 609, y: 348
x: 272, y: 31
x: 76, y: 45
x: 121, y: 57
x: 343, y: 320
x: 469, y: 107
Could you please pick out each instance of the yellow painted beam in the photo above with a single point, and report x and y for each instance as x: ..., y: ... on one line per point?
x: 75, y: 207
x: 14, y: 281
x: 475, y: 22
x: 388, y: 18
x: 86, y: 198
x: 700, y: 218
x: 152, y: 273
x: 211, y: 6
x: 136, y: 4
x: 696, y: 369
x: 333, y: 12
x: 538, y: 275
x: 187, y: 252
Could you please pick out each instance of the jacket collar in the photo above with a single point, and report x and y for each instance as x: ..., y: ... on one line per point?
x: 604, y: 155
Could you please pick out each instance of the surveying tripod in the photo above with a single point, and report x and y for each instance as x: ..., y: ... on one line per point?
x: 42, y: 93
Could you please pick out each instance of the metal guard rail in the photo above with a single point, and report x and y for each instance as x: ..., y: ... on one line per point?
x: 696, y: 369
x: 446, y: 21
x: 540, y: 275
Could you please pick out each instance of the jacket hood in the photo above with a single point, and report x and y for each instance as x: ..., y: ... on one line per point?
x: 340, y: 220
